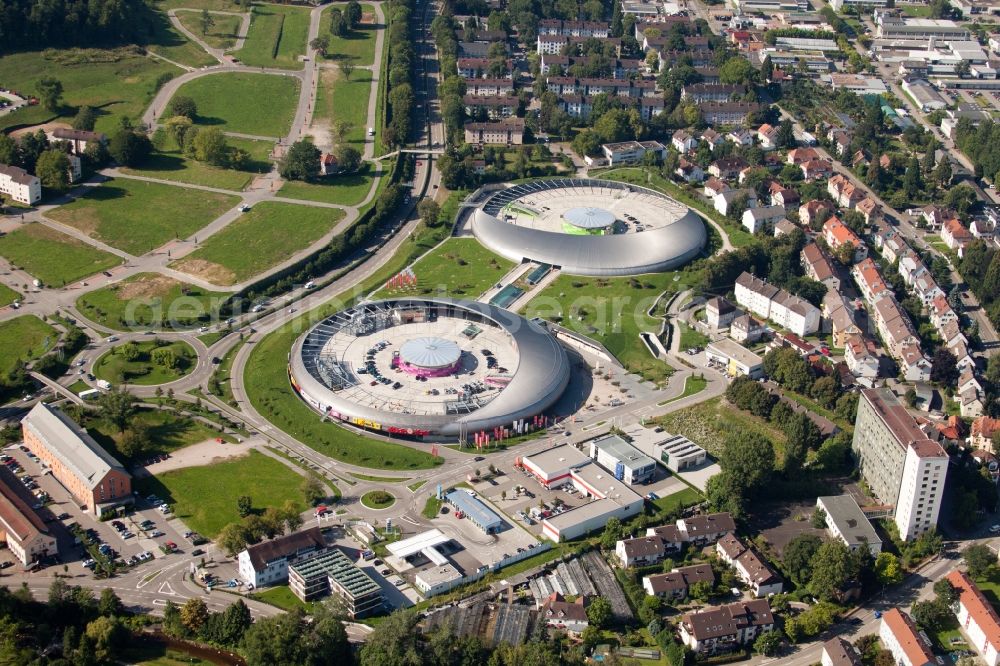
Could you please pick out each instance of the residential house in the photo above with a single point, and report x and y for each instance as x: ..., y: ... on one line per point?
x: 723, y: 202
x: 741, y: 137
x: 632, y: 152
x: 955, y: 236
x: 726, y: 628
x: 704, y: 529
x: 784, y: 226
x: 762, y: 219
x: 816, y: 169
x: 859, y: 354
x: 798, y: 156
x: 671, y: 536
x: 329, y: 165
x: 970, y: 404
x: 683, y: 142
x: 768, y: 136
x: 840, y: 139
x: 839, y: 652
x: 977, y: 617
x: 967, y: 379
x: 714, y: 186
x: 712, y: 138
x: 19, y: 185
x: 77, y: 140
x: 783, y: 196
x: 819, y: 267
x: 900, y: 636
x: 689, y: 171
x: 765, y: 300
x: 719, y: 312
x: 561, y: 614
x: 870, y: 209
x: 869, y: 280
x: 750, y: 567
x: 983, y: 229
x: 727, y: 168
x: 676, y: 584
x: 747, y: 330
x: 840, y: 314
x: 812, y: 211
x: 641, y: 551
x: 837, y: 234
x: 845, y: 193
x: 983, y: 430
x: 913, y: 365
x: 509, y: 132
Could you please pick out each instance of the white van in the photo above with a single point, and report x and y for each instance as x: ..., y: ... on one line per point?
x: 371, y: 131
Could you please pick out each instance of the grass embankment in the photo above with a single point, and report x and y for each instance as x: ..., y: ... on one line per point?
x: 221, y: 35
x: 709, y: 423
x: 24, y: 338
x: 8, y: 295
x: 144, y: 370
x: 691, y: 338
x: 205, y: 497
x: 459, y: 267
x: 151, y: 300
x: 378, y: 499
x: 245, y: 102
x: 358, y: 46
x: 109, y: 213
x: 173, y: 164
x: 345, y: 190
x: 170, y: 43
x: 260, y: 239
x: 277, y: 38
x: 692, y: 385
x: 53, y: 257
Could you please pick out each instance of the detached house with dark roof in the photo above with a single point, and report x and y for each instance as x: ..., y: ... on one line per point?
x: 677, y: 583
x: 726, y: 628
x: 562, y: 614
x: 640, y: 551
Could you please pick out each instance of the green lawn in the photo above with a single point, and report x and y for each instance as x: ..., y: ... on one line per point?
x: 8, y: 295
x: 147, y: 653
x: 347, y: 190
x: 144, y: 371
x: 379, y: 479
x: 679, y: 500
x: 111, y: 211
x: 167, y: 432
x: 358, y: 46
x: 340, y: 99
x: 693, y: 384
x: 378, y: 499
x: 116, y: 82
x: 205, y: 497
x: 277, y: 37
x: 266, y: 382
x: 432, y: 508
x: 264, y: 237
x: 222, y: 34
x: 24, y: 338
x: 708, y: 423
x: 171, y: 43
x: 247, y: 103
x: 172, y: 164
x: 691, y: 338
x: 613, y: 312
x: 280, y: 596
x: 916, y: 11
x: 459, y: 267
x: 52, y: 256
x: 151, y: 300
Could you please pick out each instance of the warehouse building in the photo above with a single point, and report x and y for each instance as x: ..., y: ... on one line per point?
x: 618, y: 456
x: 622, y: 504
x: 676, y: 452
x: 331, y: 571
x: 475, y: 510
x: 26, y: 534
x: 97, y: 481
x: 552, y: 467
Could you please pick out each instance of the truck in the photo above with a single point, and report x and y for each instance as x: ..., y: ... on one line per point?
x: 104, y: 384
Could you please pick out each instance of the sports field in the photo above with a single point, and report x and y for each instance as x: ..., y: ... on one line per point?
x: 277, y: 38
x: 358, y: 46
x: 205, y: 497
x: 151, y: 300
x: 246, y: 103
x: 264, y: 237
x: 459, y: 267
x: 52, y: 256
x: 24, y: 338
x: 222, y: 34
x: 109, y: 213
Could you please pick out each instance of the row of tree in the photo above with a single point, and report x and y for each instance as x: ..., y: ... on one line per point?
x: 35, y: 24
x: 401, y: 99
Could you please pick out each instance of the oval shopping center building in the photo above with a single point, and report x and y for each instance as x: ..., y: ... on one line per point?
x: 429, y: 368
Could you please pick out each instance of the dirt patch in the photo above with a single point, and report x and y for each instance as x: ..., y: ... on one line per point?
x: 84, y: 219
x: 44, y: 126
x: 204, y: 453
x: 147, y: 287
x: 206, y: 270
x: 367, y: 18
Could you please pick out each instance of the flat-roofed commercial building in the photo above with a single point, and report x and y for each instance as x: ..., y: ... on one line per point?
x: 901, y: 466
x: 679, y: 453
x: 626, y: 462
x: 475, y: 510
x: 331, y: 571
x: 612, y: 498
x: 846, y: 521
x: 553, y: 466
x: 736, y: 359
x: 26, y: 534
x: 97, y: 481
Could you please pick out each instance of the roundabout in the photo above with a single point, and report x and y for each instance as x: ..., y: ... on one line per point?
x: 378, y: 499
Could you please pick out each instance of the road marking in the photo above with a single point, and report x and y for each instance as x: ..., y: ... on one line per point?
x: 159, y: 602
x: 165, y: 588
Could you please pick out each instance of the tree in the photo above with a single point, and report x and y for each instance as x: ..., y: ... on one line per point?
x: 129, y: 148
x: 9, y: 153
x: 429, y: 211
x: 348, y: 158
x: 961, y: 198
x: 182, y: 105
x: 53, y: 170
x: 887, y: 569
x: 207, y: 21
x: 320, y: 44
x: 194, y: 614
x: 768, y: 643
x: 942, y: 174
x: 244, y: 504
x: 599, y: 612
x: 232, y: 539
x: 736, y: 70
x: 50, y: 91
x: 106, y: 634
x: 135, y: 441
x: 84, y: 119
x: 798, y: 556
x: 612, y: 533
x: 338, y: 24
x: 236, y: 619
x: 110, y: 604
x: 117, y: 406
x: 945, y: 591
x: 346, y: 68
x: 352, y: 14
x: 912, y: 182
x: 312, y: 489
x: 979, y: 559
x: 786, y: 134
x: 831, y: 569
x: 700, y: 589
x: 290, y: 516
x: 932, y: 615
x: 394, y: 641
x: 210, y: 146
x: 301, y: 162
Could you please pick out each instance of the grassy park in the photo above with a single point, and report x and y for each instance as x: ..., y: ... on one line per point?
x: 243, y: 102
x: 146, y: 363
x: 341, y: 99
x: 172, y: 164
x: 8, y: 295
x: 151, y: 300
x: 118, y: 82
x: 221, y: 35
x: 277, y: 38
x: 205, y: 497
x: 24, y: 338
x: 358, y: 46
x: 347, y: 190
x: 173, y: 45
x: 167, y: 432
x: 264, y: 237
x: 52, y: 256
x: 266, y: 382
x: 612, y: 311
x: 459, y: 267
x: 109, y: 213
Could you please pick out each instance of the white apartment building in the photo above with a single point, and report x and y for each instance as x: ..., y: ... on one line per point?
x: 977, y: 617
x: 899, y: 635
x: 266, y: 563
x: 901, y: 466
x: 788, y: 311
x: 20, y: 185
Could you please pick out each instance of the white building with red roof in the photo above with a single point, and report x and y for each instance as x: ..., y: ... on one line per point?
x: 899, y: 635
x: 977, y: 617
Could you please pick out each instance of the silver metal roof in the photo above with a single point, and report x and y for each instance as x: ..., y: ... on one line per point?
x: 589, y: 218
x: 652, y: 251
x: 430, y: 352
x: 538, y: 380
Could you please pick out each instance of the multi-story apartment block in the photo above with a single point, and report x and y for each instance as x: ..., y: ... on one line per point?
x: 493, y: 108
x: 20, y: 185
x: 838, y: 234
x: 509, y: 132
x: 766, y: 300
x: 700, y: 93
x: 728, y: 113
x: 901, y: 466
x: 977, y: 617
x: 676, y: 584
x: 819, y: 267
x: 900, y: 636
x: 489, y: 87
x: 726, y: 628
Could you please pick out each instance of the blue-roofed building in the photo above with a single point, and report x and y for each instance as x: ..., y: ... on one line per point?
x: 481, y: 515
